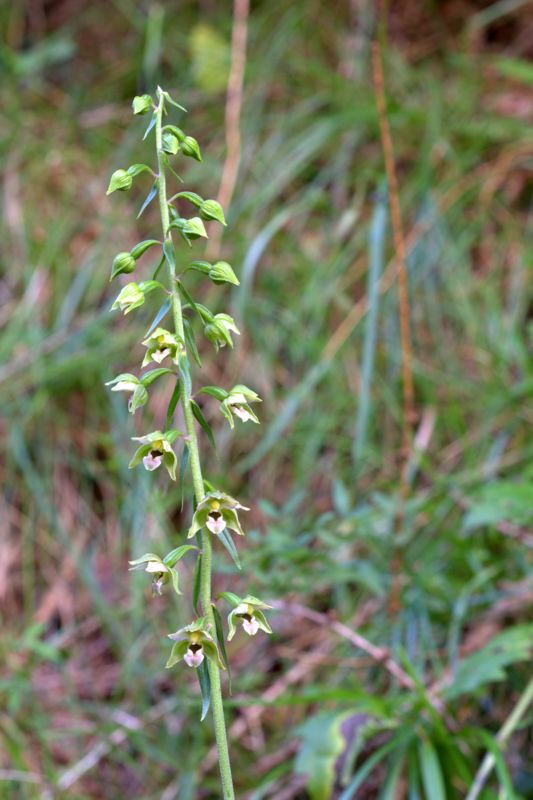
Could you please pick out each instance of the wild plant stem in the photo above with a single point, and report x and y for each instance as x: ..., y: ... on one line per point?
x: 509, y: 726
x: 196, y: 470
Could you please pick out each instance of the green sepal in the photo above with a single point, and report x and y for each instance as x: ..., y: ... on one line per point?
x: 177, y: 132
x: 211, y: 652
x: 211, y: 209
x: 120, y: 181
x: 198, y: 522
x: 122, y: 263
x: 139, y: 398
x: 176, y: 654
x: 170, y: 143
x: 141, y: 104
x: 143, y: 560
x: 222, y: 272
x: 190, y: 147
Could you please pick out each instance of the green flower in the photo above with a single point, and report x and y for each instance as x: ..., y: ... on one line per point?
x: 216, y: 512
x: 193, y: 643
x: 219, y: 330
x: 156, y: 449
x: 161, y: 344
x: 130, y: 297
x: 247, y: 610
x: 237, y: 404
x: 162, y: 569
x: 126, y: 382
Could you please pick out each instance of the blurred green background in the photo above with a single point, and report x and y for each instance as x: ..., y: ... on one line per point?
x: 442, y: 582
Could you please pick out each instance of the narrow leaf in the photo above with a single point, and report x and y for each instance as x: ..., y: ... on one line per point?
x: 183, y: 466
x: 150, y: 125
x: 196, y: 584
x: 197, y: 411
x: 191, y: 342
x: 205, y: 688
x: 149, y: 197
x: 173, y: 402
x: 163, y: 311
x: 168, y: 249
x: 228, y: 543
x: 174, y: 556
x: 219, y: 628
x: 432, y: 779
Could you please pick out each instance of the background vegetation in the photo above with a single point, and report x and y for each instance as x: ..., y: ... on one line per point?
x: 439, y: 587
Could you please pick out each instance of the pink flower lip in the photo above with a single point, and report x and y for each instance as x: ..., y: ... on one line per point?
x: 152, y: 461
x: 250, y: 625
x: 194, y: 655
x: 215, y: 522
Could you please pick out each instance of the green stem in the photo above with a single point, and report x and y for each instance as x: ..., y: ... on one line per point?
x: 198, y: 483
x: 509, y: 726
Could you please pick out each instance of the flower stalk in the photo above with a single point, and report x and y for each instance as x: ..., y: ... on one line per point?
x: 199, y: 645
x: 196, y: 469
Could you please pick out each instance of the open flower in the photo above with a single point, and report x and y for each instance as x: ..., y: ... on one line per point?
x: 130, y: 297
x: 216, y: 512
x: 162, y: 569
x: 193, y: 644
x: 126, y: 382
x: 156, y: 449
x: 160, y: 345
x: 219, y: 329
x: 248, y: 611
x: 237, y: 404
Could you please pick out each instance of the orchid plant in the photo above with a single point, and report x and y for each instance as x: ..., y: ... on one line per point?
x: 169, y: 353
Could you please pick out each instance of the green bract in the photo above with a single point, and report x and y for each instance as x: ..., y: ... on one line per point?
x: 156, y: 449
x: 216, y: 512
x: 130, y: 297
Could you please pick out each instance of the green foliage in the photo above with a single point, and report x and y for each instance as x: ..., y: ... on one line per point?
x: 308, y: 215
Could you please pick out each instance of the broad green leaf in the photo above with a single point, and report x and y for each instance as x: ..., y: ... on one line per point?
x: 322, y: 744
x: 205, y: 688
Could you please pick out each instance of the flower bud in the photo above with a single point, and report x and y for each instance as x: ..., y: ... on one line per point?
x: 142, y: 104
x: 211, y: 209
x: 123, y: 262
x: 221, y: 272
x: 189, y: 147
x: 170, y: 143
x: 120, y: 181
x: 130, y: 297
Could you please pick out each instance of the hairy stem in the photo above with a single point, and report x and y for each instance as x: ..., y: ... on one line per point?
x: 196, y: 470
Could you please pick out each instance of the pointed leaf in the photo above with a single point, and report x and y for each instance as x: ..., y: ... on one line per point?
x: 149, y: 197
x: 191, y: 342
x: 196, y: 584
x: 173, y: 402
x: 197, y: 411
x: 181, y: 478
x: 228, y: 543
x: 205, y: 688
x: 163, y: 311
x: 175, y: 555
x: 219, y: 628
x: 168, y: 249
x: 152, y: 375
